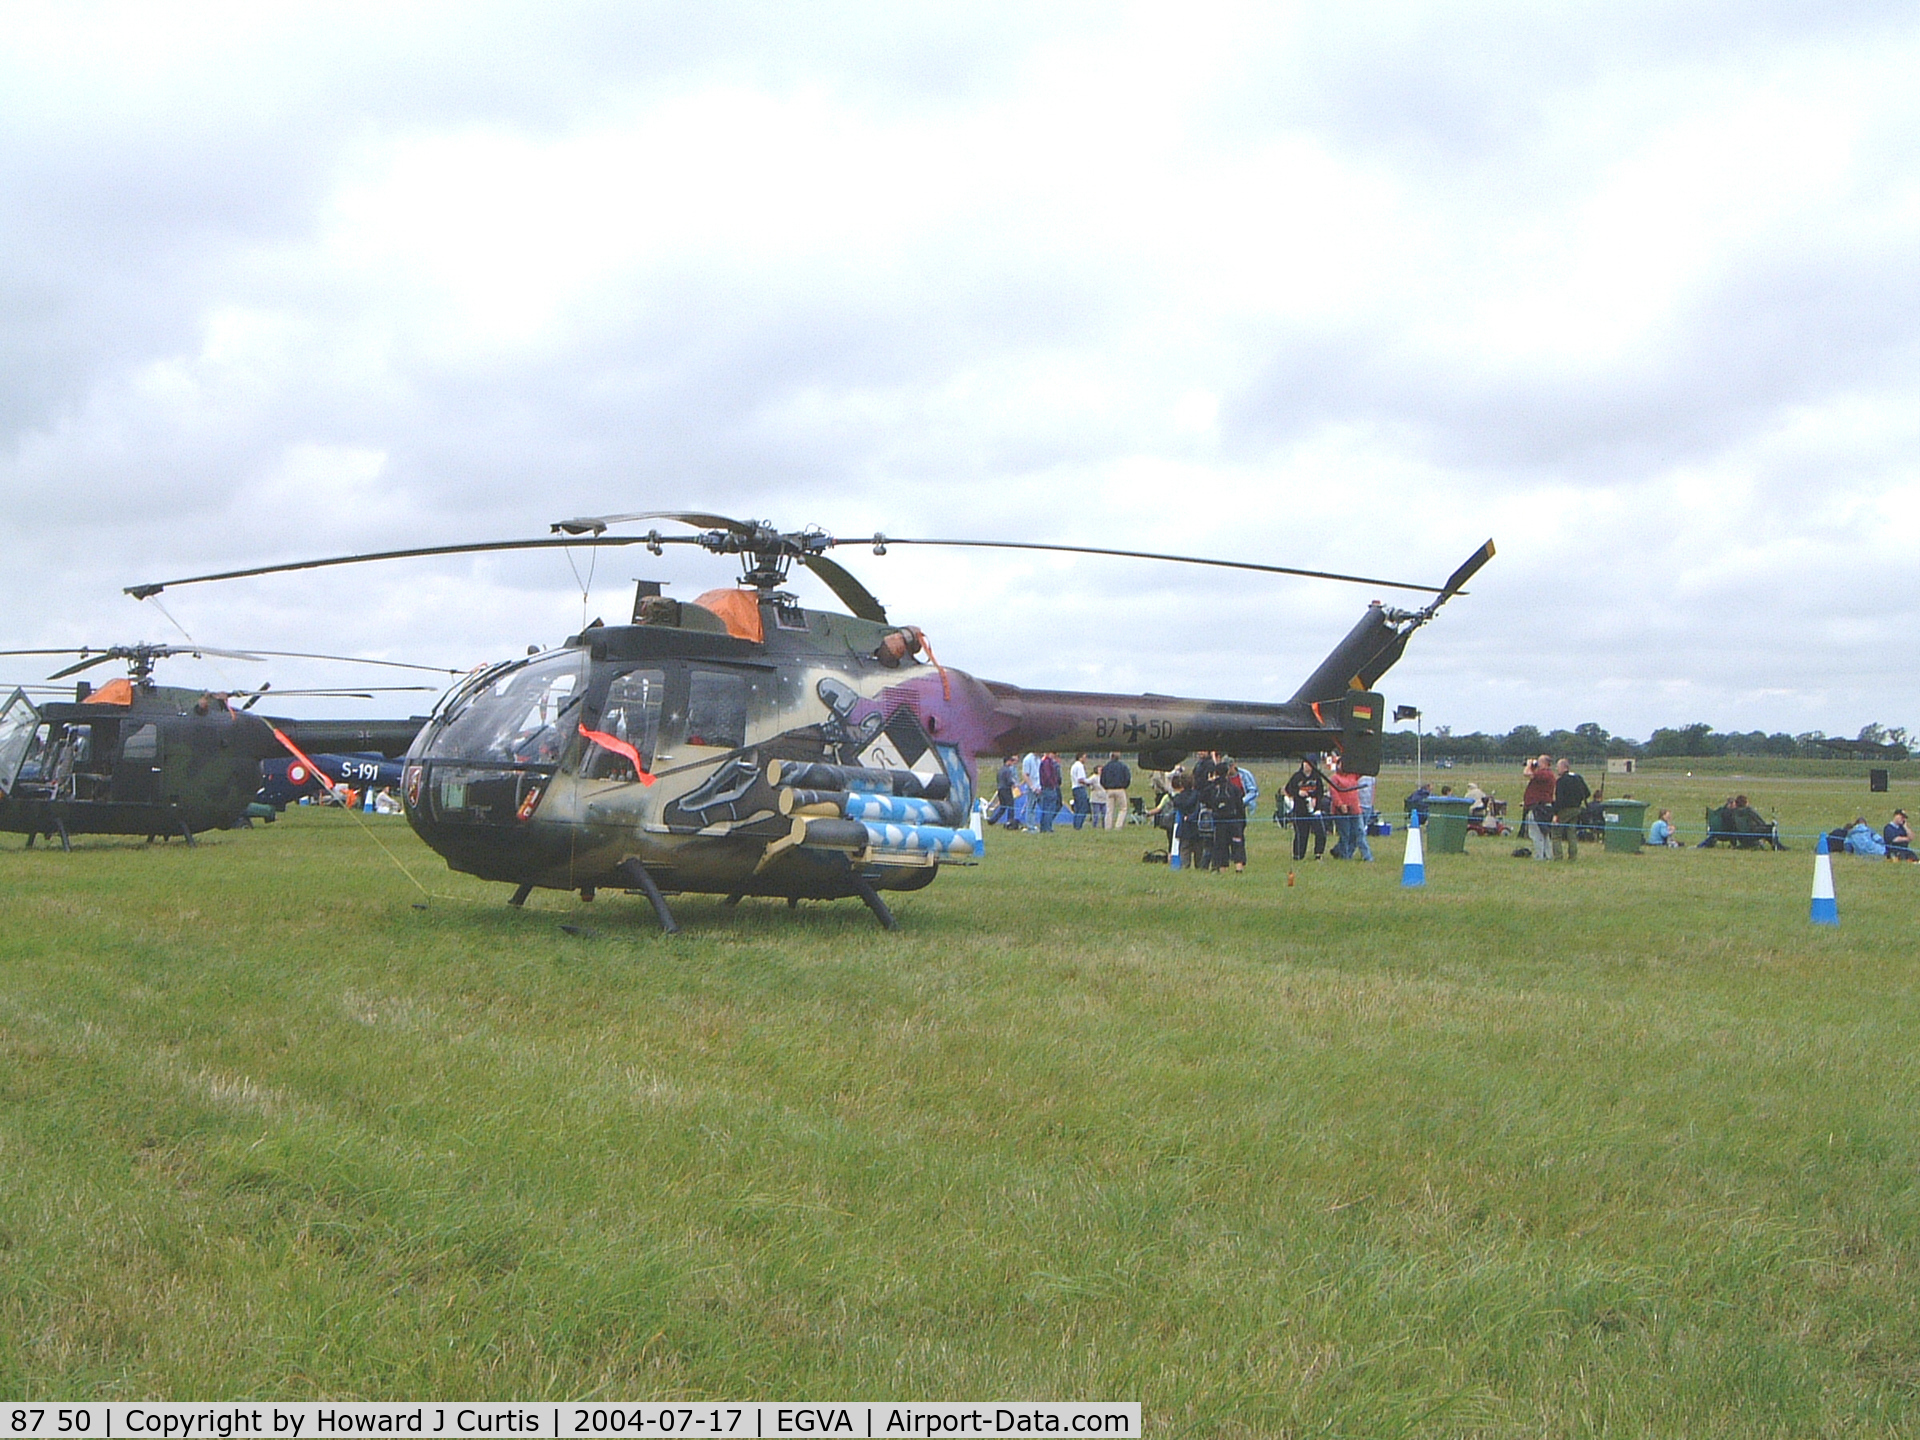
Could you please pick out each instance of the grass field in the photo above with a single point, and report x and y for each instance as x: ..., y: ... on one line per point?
x: 1619, y: 1147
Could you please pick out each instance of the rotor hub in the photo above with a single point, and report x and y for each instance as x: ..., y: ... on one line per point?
x: 766, y: 554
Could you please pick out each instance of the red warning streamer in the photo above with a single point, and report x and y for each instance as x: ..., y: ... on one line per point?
x: 301, y: 756
x: 619, y: 747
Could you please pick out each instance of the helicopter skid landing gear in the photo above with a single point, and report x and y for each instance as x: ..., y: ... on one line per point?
x: 734, y: 899
x: 864, y: 889
x: 642, y: 881
x: 520, y: 896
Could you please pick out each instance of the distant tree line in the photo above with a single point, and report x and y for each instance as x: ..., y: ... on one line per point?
x: 1592, y: 742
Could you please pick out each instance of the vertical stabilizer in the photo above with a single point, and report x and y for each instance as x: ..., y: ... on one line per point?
x: 1378, y: 640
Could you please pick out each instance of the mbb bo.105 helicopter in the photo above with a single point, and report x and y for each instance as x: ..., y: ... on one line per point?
x: 741, y: 744
x: 133, y: 757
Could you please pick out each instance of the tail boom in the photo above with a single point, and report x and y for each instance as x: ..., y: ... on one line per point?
x: 1162, y: 729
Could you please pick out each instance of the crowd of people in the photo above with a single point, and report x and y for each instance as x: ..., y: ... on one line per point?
x: 1028, y: 792
x: 1204, y: 810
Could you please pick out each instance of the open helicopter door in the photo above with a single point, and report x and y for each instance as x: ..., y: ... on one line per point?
x: 19, y: 722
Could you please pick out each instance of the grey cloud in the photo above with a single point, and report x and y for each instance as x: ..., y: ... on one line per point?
x: 1781, y: 331
x: 1440, y: 86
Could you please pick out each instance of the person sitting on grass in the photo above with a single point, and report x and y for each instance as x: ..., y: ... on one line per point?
x: 1719, y: 827
x: 1416, y: 804
x: 1749, y: 821
x: 1663, y: 833
x: 1862, y: 841
x: 1742, y: 826
x: 1898, y: 838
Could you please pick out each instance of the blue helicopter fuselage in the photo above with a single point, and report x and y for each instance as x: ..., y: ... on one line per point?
x: 287, y: 780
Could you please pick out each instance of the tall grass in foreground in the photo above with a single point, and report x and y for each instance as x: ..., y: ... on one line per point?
x: 1625, y: 1146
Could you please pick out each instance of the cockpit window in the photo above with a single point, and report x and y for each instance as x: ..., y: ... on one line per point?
x: 524, y: 715
x: 18, y: 721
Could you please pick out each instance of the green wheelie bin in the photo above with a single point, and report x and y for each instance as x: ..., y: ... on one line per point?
x: 1447, y: 824
x: 1626, y: 825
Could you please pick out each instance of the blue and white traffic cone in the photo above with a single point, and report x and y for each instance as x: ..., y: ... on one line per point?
x: 1173, y: 850
x: 1414, y: 870
x: 1825, y: 909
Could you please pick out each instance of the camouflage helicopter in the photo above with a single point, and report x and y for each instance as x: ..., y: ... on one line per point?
x: 741, y: 744
x: 133, y: 757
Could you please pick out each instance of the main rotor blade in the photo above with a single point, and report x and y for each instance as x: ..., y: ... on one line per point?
x: 362, y: 660
x: 127, y: 652
x: 855, y: 596
x: 882, y: 541
x: 198, y: 650
x: 596, y: 523
x: 142, y: 592
x: 366, y: 693
x: 87, y: 664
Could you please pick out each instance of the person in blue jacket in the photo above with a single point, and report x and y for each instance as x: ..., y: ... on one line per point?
x: 1861, y: 840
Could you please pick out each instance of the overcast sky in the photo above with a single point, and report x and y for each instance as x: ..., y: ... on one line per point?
x: 1630, y: 288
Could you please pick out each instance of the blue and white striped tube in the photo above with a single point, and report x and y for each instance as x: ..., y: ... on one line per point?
x: 891, y: 809
x: 954, y: 846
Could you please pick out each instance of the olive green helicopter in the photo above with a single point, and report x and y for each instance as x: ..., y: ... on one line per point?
x: 741, y: 744
x: 134, y: 757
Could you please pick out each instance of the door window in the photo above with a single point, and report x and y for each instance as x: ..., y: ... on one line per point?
x: 632, y: 714
x: 18, y: 721
x: 717, y: 709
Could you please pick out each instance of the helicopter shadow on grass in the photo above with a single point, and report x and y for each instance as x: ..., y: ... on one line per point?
x: 625, y: 919
x: 91, y: 844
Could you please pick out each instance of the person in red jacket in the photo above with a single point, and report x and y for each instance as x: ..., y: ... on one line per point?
x: 1343, y: 799
x: 1537, y: 805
